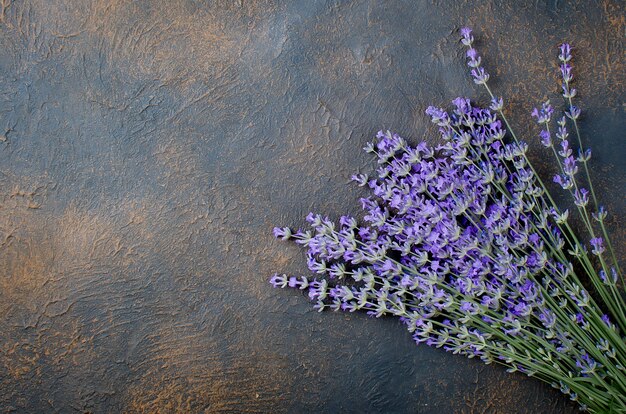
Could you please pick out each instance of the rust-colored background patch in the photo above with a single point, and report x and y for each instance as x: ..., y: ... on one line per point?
x: 148, y: 147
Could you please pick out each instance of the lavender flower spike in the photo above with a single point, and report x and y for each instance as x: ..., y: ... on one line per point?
x: 478, y: 72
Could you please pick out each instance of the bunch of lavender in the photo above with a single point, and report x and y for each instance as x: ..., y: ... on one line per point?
x: 464, y: 244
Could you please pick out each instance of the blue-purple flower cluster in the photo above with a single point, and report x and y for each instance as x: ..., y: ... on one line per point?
x: 461, y: 242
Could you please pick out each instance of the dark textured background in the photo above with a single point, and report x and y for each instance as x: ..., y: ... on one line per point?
x: 148, y: 147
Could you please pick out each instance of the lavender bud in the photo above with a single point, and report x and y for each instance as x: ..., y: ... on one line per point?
x: 496, y: 104
x: 480, y: 76
x: 543, y: 114
x: 545, y: 138
x: 360, y: 179
x: 279, y: 281
x: 369, y: 147
x: 569, y: 166
x: 474, y: 58
x: 600, y: 215
x: 566, y: 72
x: 564, y: 181
x: 560, y: 218
x: 573, y: 113
x: 581, y: 197
x: 587, y: 364
x: 283, y: 233
x: 568, y: 92
x: 584, y: 156
x: 565, y: 55
x: 598, y: 245
x: 438, y: 116
x: 315, y: 220
x: 467, y: 38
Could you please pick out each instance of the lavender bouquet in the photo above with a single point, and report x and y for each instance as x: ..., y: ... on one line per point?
x: 466, y: 246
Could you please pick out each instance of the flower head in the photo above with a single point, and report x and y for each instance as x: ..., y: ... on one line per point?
x: 566, y: 72
x: 598, y: 245
x: 279, y: 281
x: 573, y: 112
x: 480, y: 75
x: 569, y: 166
x: 543, y: 114
x: 438, y: 116
x: 283, y: 233
x: 496, y: 104
x: 565, y: 55
x: 545, y: 138
x: 474, y: 58
x: 581, y: 197
x: 466, y: 36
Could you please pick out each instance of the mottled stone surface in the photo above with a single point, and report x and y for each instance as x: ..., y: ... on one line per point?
x: 148, y: 147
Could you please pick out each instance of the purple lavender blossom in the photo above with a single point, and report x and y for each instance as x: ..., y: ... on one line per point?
x: 467, y: 38
x: 573, y: 112
x: 279, y: 281
x: 600, y: 215
x: 566, y: 72
x: 543, y: 114
x: 584, y: 156
x: 569, y: 165
x: 497, y: 104
x: 564, y: 181
x: 474, y: 58
x: 283, y: 233
x: 478, y: 72
x: 598, y: 245
x: 581, y: 197
x: 360, y: 179
x: 544, y: 135
x: 586, y: 364
x: 480, y: 75
x: 568, y: 92
x: 566, y: 53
